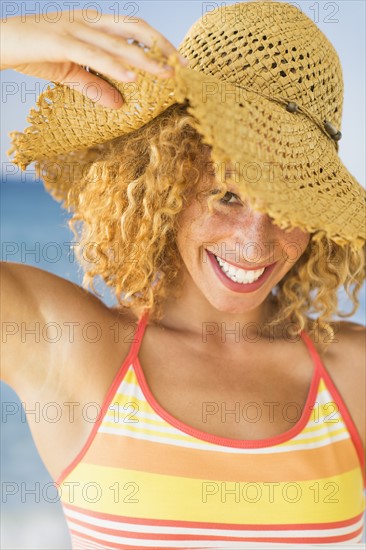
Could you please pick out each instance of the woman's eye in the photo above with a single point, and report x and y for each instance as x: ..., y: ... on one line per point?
x: 223, y: 201
x: 227, y: 194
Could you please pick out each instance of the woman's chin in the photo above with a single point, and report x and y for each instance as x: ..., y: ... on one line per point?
x: 227, y: 304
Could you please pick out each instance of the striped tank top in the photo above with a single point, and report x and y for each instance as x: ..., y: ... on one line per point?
x: 144, y: 479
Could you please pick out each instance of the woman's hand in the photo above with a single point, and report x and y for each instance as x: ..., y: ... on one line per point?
x: 56, y: 50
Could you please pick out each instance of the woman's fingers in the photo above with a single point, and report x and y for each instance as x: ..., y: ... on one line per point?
x: 118, y: 47
x: 60, y: 51
x: 84, y: 53
x: 140, y: 30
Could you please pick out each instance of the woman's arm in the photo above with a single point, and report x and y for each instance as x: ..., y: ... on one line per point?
x: 34, y: 307
x: 61, y: 347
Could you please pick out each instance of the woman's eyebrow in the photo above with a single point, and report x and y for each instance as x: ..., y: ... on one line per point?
x: 230, y: 170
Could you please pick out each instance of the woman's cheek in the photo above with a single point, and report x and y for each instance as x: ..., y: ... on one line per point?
x: 295, y: 245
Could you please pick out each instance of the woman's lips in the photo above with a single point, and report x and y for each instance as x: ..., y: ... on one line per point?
x: 239, y: 287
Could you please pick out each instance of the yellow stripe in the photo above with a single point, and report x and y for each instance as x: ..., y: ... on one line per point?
x: 310, y: 429
x: 329, y: 499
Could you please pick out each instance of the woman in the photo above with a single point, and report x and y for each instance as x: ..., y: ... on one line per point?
x: 226, y: 416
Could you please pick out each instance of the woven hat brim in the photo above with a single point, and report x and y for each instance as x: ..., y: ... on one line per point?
x: 287, y: 166
x: 65, y: 120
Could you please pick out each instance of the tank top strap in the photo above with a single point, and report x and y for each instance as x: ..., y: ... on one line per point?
x: 141, y: 325
x: 318, y: 364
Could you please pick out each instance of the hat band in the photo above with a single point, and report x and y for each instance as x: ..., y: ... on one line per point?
x: 325, y: 126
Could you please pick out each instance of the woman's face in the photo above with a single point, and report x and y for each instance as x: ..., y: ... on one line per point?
x: 241, y: 237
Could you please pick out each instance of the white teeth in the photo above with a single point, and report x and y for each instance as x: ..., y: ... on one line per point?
x: 238, y: 275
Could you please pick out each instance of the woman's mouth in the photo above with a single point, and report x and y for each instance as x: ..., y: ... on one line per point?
x: 237, y: 279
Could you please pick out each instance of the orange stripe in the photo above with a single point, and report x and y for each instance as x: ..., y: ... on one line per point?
x: 145, y: 456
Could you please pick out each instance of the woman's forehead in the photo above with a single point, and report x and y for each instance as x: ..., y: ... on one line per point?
x: 228, y: 172
x: 213, y: 174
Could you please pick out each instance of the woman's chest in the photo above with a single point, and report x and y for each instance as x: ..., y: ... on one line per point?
x: 257, y: 396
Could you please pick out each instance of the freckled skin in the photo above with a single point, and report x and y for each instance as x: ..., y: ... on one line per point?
x: 240, y: 235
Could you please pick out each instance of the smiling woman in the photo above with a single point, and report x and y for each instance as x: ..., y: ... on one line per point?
x: 162, y: 266
x: 132, y: 174
x: 230, y: 416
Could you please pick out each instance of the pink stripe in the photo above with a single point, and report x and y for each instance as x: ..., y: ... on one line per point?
x: 211, y: 525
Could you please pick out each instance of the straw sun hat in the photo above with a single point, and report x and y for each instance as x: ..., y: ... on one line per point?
x: 265, y: 88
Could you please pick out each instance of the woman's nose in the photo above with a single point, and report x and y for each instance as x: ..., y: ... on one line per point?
x: 255, y: 227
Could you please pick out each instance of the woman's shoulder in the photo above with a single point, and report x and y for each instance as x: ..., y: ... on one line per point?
x: 348, y: 344
x: 352, y: 327
x: 347, y: 354
x: 346, y: 334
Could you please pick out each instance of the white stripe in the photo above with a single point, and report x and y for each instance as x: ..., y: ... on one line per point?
x: 160, y: 530
x: 324, y: 395
x: 322, y: 430
x: 118, y: 415
x: 130, y: 389
x: 325, y: 401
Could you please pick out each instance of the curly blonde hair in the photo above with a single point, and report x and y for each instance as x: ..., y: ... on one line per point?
x: 126, y: 207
